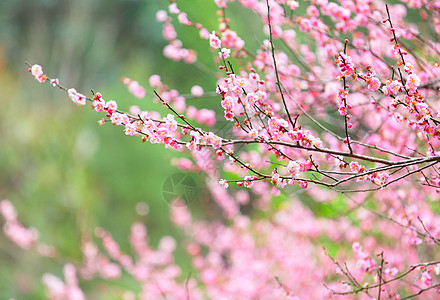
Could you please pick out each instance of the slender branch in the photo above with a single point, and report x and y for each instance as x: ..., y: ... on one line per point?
x: 278, y: 83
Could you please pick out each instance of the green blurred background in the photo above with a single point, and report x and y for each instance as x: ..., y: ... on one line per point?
x: 64, y: 173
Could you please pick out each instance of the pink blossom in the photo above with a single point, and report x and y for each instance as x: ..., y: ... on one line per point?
x: 76, y: 97
x: 230, y: 39
x: 342, y: 110
x: 228, y: 103
x: 161, y: 16
x: 183, y: 18
x: 116, y: 118
x: 197, y: 91
x: 111, y: 106
x: 221, y: 3
x: 214, y: 41
x: 303, y: 184
x: 224, y: 53
x: 14, y: 230
x: 57, y: 289
x: 206, y: 116
x: 168, y: 32
x: 54, y: 82
x: 134, y: 88
x: 312, y: 11
x: 412, y: 82
x: 173, y: 8
x: 305, y: 25
x: 98, y: 105
x: 292, y: 4
x: 293, y: 168
x: 37, y: 71
x: 155, y: 81
x: 204, y: 34
x: 374, y: 84
x: 130, y: 129
x: 426, y: 279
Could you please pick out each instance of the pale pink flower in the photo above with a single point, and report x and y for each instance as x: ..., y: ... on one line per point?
x: 136, y: 89
x: 412, y: 82
x: 224, y: 184
x: 374, y: 84
x: 8, y: 210
x: 111, y: 106
x: 221, y: 3
x: 54, y: 82
x: 224, y: 53
x: 98, y: 105
x: 302, y: 184
x: 37, y: 71
x: 214, y: 41
x: 293, y: 168
x: 342, y: 110
x: 76, y: 97
x: 161, y: 16
x: 312, y: 11
x: 116, y: 118
x: 292, y: 4
x: 197, y: 91
x: 204, y: 33
x: 168, y: 32
x: 183, y: 18
x: 155, y: 81
x: 426, y: 278
x: 130, y: 129
x: 228, y: 103
x: 173, y: 8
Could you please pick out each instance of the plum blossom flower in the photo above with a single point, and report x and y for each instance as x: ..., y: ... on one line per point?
x: 426, y: 278
x: 37, y: 71
x: 173, y: 8
x: 342, y: 110
x: 224, y: 184
x: 228, y: 103
x: 412, y: 82
x: 275, y: 177
x: 111, y: 106
x: 76, y: 97
x: 54, y: 82
x: 161, y: 16
x: 224, y: 53
x: 98, y: 105
x: 183, y: 19
x: 197, y: 91
x: 168, y: 32
x: 293, y: 168
x: 214, y: 41
x: 374, y: 84
x: 24, y: 237
x: 130, y: 129
x: 248, y: 181
x: 116, y: 118
x: 221, y: 3
x: 134, y: 87
x: 155, y: 81
x: 292, y: 4
x: 230, y: 39
x: 302, y: 184
x: 391, y: 87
